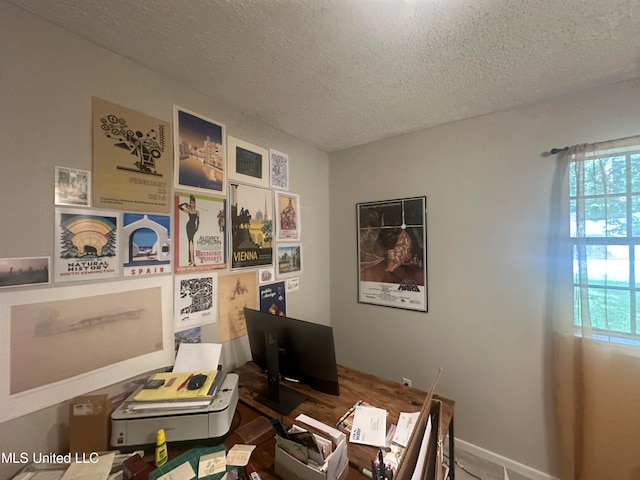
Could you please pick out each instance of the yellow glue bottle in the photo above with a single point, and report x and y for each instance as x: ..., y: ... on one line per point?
x: 161, y: 449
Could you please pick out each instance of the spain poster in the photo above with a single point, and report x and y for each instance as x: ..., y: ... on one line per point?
x: 146, y: 244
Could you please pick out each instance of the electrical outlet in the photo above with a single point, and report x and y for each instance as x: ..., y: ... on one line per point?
x: 406, y: 382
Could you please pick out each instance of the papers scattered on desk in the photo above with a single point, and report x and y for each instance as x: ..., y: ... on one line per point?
x: 212, y: 463
x: 90, y: 471
x: 346, y: 420
x: 406, y: 422
x: 239, y: 455
x: 369, y: 426
x: 183, y: 471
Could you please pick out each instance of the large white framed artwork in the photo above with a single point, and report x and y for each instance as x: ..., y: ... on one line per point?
x: 57, y: 343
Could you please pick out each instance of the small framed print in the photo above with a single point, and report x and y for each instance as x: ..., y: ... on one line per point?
x: 293, y: 284
x: 289, y: 259
x: 196, y: 300
x: 288, y: 217
x: 72, y: 187
x: 19, y: 272
x: 278, y: 170
x: 266, y: 275
x: 248, y: 163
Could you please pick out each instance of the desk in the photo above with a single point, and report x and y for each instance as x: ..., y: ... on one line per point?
x: 354, y: 386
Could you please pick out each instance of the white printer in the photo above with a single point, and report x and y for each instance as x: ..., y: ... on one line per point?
x: 137, y: 423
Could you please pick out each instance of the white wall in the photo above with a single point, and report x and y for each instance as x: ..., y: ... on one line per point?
x: 488, y: 200
x: 47, y: 79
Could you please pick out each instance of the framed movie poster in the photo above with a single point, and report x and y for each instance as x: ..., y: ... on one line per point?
x: 251, y: 222
x: 200, y: 233
x: 199, y: 153
x: 288, y: 221
x: 392, y: 253
x: 131, y: 159
x: 248, y: 163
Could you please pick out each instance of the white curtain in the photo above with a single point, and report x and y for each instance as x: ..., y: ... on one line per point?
x: 597, y: 381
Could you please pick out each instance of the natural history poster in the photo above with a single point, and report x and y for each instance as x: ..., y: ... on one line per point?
x: 132, y: 159
x: 86, y: 245
x: 392, y: 253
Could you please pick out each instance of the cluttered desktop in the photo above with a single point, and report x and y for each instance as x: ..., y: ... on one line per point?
x: 291, y: 413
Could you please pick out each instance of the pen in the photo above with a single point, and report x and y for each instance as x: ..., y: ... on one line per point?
x: 184, y: 384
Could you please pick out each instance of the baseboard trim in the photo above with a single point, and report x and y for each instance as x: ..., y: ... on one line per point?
x: 512, y: 465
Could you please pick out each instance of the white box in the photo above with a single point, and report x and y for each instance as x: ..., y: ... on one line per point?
x: 337, y: 462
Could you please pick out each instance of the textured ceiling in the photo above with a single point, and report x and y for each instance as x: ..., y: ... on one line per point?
x: 342, y: 73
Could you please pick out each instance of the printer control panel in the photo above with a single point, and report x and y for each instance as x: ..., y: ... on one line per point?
x: 226, y: 393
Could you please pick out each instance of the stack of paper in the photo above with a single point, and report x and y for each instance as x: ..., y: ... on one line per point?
x: 192, y: 359
x: 369, y: 426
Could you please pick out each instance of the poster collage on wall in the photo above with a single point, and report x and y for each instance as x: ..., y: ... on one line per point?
x: 207, y: 214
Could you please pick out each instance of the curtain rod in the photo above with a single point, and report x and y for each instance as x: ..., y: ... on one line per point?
x: 626, y: 141
x: 554, y: 151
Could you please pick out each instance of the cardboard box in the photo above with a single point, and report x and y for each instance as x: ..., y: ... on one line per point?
x: 288, y: 467
x: 89, y: 423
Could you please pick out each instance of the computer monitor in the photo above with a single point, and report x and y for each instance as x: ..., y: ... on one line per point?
x: 294, y: 350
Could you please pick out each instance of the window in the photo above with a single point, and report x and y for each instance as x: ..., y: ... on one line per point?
x: 604, y: 195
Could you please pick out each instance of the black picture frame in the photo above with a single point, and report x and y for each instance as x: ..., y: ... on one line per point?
x: 392, y: 253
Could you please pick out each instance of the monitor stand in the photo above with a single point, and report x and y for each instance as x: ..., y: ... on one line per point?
x: 277, y: 397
